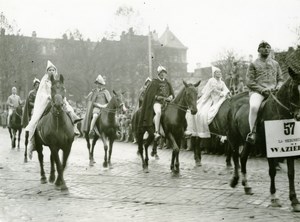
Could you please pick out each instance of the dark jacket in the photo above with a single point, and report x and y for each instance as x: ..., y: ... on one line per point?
x: 147, y: 112
x: 28, y: 108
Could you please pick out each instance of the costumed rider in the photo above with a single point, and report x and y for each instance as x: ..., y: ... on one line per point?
x: 159, y: 91
x: 97, y: 99
x: 29, y: 104
x: 13, y: 102
x: 263, y: 76
x: 43, y: 98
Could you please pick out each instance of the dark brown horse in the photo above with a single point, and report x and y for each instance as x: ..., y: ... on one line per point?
x: 107, y: 127
x: 15, y: 126
x: 55, y: 130
x: 173, y: 122
x: 285, y: 105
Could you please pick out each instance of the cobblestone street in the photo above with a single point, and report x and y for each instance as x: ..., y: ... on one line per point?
x: 125, y: 193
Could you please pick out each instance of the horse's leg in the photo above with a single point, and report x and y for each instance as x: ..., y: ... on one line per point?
x: 175, y: 154
x: 140, y: 141
x: 228, y: 154
x: 52, y: 170
x: 66, y: 153
x: 235, y: 155
x: 244, y: 157
x: 39, y: 149
x: 94, y: 141
x: 146, y: 145
x: 195, y: 141
x: 87, y: 139
x: 105, y: 146
x: 26, y: 144
x: 154, y: 150
x: 19, y: 135
x: 291, y: 175
x: 272, y: 173
x: 60, y: 182
x: 111, y: 142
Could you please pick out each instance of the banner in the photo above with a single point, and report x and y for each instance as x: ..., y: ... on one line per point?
x: 282, y: 138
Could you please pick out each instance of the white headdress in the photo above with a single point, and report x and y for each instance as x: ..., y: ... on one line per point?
x: 161, y: 69
x: 100, y: 80
x: 49, y: 65
x: 214, y: 69
x: 36, y: 80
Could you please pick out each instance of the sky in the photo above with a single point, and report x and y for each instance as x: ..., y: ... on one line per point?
x: 208, y: 28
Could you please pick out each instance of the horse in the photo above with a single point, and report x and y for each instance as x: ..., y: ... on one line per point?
x: 15, y: 126
x: 107, y: 127
x: 173, y: 123
x: 55, y: 130
x: 284, y: 105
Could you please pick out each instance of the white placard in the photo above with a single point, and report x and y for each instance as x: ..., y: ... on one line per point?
x: 282, y: 138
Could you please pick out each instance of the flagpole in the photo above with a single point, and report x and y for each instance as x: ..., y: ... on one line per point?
x: 150, y: 53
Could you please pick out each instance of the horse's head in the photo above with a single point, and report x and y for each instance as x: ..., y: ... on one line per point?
x: 294, y: 93
x: 57, y: 91
x: 118, y: 101
x: 191, y: 96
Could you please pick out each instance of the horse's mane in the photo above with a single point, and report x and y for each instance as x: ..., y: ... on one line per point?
x: 180, y: 94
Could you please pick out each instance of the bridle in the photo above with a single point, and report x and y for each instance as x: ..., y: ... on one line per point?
x: 291, y: 105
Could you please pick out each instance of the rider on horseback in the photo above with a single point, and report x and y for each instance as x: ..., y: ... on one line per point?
x: 264, y: 75
x: 43, y: 97
x: 97, y: 99
x: 159, y: 91
x: 29, y: 104
x: 13, y: 102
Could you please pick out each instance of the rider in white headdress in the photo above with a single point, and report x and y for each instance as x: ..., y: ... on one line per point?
x: 213, y: 95
x: 43, y: 97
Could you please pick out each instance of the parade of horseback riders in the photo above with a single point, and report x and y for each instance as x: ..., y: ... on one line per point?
x: 231, y: 117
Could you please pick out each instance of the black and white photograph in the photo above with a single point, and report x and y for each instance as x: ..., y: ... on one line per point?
x: 149, y: 110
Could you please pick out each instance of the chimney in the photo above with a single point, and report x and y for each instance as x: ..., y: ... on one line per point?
x: 33, y: 34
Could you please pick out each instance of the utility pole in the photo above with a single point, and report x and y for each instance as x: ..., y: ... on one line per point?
x: 150, y: 53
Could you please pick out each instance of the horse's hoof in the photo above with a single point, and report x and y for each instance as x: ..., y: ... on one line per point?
x: 51, y: 179
x: 152, y: 154
x: 64, y: 188
x: 248, y: 190
x: 146, y: 170
x: 25, y: 160
x: 156, y: 157
x: 234, y: 182
x: 105, y: 164
x: 43, y: 180
x: 91, y: 163
x: 296, y: 207
x: 198, y: 164
x: 275, y: 203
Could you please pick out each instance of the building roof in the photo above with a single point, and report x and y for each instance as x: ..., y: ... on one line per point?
x: 168, y: 39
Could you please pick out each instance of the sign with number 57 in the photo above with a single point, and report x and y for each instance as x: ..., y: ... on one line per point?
x: 282, y: 138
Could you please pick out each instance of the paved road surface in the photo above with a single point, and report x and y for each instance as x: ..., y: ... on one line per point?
x: 126, y: 193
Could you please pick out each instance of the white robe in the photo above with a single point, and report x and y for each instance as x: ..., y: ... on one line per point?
x: 43, y: 97
x: 213, y: 95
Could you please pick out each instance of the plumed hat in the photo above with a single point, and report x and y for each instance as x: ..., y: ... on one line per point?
x: 100, y: 80
x: 263, y: 44
x: 36, y: 81
x: 161, y: 69
x: 293, y: 60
